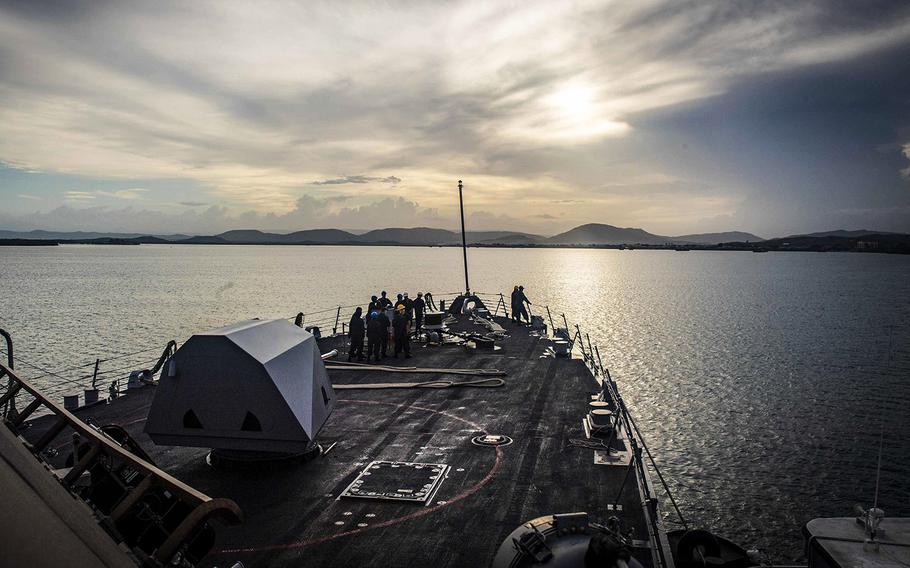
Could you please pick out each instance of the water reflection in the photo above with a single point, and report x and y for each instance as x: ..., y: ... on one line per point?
x: 760, y: 380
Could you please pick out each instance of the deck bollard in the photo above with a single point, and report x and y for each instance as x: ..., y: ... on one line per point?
x: 71, y: 401
x: 90, y: 396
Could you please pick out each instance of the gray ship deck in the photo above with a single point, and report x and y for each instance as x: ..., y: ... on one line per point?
x: 293, y: 514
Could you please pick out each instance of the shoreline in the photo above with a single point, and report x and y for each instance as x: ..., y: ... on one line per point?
x: 734, y: 247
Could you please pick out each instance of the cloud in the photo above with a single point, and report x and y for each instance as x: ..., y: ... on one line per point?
x: 906, y: 171
x: 486, y: 221
x: 127, y: 194
x: 78, y: 196
x: 552, y: 98
x: 30, y: 197
x: 309, y: 213
x: 358, y: 179
x: 133, y: 193
x: 192, y: 203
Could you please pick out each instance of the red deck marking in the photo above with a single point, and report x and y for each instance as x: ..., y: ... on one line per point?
x: 424, y: 511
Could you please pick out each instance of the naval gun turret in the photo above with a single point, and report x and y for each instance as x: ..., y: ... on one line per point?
x: 256, y: 388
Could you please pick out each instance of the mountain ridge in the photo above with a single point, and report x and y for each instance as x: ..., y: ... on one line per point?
x: 590, y: 234
x: 842, y: 233
x: 603, y: 234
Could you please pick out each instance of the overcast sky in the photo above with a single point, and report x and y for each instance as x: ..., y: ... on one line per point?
x: 677, y: 117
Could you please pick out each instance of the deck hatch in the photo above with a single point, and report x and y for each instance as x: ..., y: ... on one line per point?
x: 398, y: 481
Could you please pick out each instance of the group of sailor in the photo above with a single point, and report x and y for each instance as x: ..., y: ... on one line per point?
x: 385, y: 319
x: 518, y: 305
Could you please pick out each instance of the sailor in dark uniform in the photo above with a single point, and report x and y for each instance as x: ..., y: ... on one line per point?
x: 402, y: 340
x: 419, y: 307
x: 356, y: 330
x: 384, y: 340
x: 522, y: 300
x: 375, y: 332
x: 516, y: 305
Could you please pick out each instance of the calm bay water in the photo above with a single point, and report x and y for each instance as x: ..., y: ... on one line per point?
x: 761, y: 381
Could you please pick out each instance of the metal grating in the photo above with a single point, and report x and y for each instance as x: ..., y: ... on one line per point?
x: 398, y: 481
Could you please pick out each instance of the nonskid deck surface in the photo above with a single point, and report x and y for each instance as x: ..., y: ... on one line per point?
x: 293, y: 513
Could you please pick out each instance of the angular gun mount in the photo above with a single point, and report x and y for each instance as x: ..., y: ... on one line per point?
x: 254, y: 388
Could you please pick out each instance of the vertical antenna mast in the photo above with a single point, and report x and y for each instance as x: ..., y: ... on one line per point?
x: 878, y: 469
x: 464, y: 241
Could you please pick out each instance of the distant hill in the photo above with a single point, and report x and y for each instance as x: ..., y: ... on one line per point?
x: 513, y: 239
x: 425, y: 236
x: 414, y: 236
x: 107, y: 241
x: 843, y: 234
x: 429, y: 236
x: 204, y: 241
x: 248, y: 236
x: 150, y: 240
x: 312, y: 236
x: 403, y: 236
x: 80, y: 235
x: 600, y: 234
x: 320, y: 236
x: 592, y: 234
x: 27, y: 243
x: 717, y: 238
x: 896, y: 243
x: 500, y: 237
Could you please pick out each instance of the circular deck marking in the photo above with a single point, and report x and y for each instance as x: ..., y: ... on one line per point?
x: 497, y: 465
x: 491, y: 440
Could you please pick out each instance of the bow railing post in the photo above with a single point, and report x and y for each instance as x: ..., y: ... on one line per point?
x: 9, y: 409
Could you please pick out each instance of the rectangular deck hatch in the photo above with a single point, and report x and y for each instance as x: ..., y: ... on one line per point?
x: 398, y: 481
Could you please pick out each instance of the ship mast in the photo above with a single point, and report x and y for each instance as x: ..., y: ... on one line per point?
x: 464, y: 241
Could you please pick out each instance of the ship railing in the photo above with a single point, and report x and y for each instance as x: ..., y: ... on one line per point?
x: 590, y: 354
x: 156, y: 515
x: 87, y: 375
